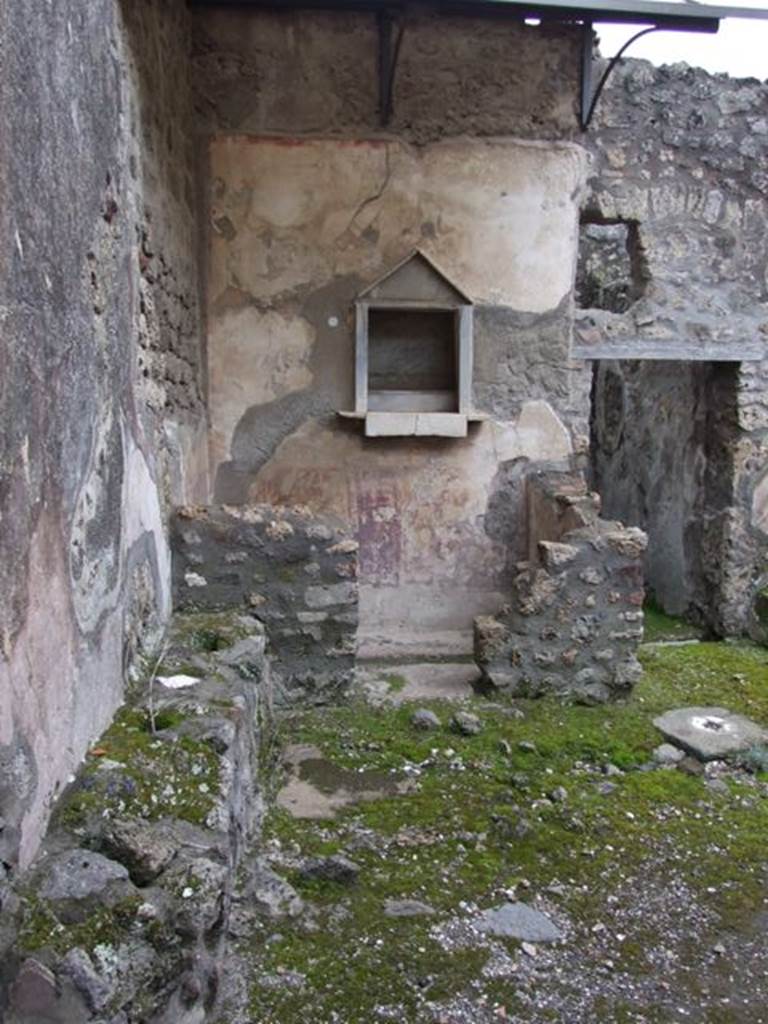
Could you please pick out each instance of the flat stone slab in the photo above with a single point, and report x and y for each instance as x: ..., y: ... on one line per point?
x: 407, y: 908
x: 710, y: 733
x: 518, y: 921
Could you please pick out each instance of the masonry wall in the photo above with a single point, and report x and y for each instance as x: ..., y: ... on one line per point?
x: 310, y: 199
x: 665, y: 436
x: 681, y: 440
x: 102, y: 382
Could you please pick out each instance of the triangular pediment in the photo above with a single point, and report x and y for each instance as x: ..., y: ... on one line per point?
x: 415, y: 279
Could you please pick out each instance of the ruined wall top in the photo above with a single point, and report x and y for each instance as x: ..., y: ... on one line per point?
x: 681, y: 159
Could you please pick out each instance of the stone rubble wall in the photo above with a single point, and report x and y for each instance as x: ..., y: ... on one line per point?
x: 296, y: 572
x: 102, y: 380
x: 680, y: 161
x: 681, y: 449
x: 124, y: 916
x: 575, y: 617
x: 453, y: 77
x: 665, y: 440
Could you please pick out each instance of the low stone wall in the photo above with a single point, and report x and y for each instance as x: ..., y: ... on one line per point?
x: 296, y: 572
x: 575, y: 618
x: 124, y: 915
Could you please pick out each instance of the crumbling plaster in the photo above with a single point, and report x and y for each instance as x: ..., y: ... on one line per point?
x: 297, y: 229
x: 102, y: 376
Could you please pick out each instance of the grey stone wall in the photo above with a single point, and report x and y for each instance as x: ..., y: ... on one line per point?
x: 665, y: 438
x: 125, y: 914
x: 575, y: 618
x: 680, y: 449
x: 295, y: 572
x: 316, y: 72
x: 680, y: 161
x: 101, y: 383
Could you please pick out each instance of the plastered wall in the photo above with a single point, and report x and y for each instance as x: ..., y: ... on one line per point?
x: 297, y: 229
x: 102, y: 383
x: 310, y: 199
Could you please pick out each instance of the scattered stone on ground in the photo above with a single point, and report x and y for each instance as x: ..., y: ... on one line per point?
x: 667, y: 754
x: 710, y: 733
x: 425, y: 719
x: 335, y: 868
x: 407, y: 908
x: 690, y: 765
x: 268, y: 893
x: 169, y: 795
x: 518, y: 921
x: 145, y: 848
x: 466, y: 723
x: 606, y: 788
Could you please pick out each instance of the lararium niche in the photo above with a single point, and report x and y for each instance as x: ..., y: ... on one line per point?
x: 413, y: 348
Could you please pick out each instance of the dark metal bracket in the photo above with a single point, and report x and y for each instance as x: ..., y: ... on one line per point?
x: 391, y: 29
x: 589, y: 97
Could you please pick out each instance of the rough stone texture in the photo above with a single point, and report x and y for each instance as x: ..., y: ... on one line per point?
x: 666, y: 754
x: 425, y: 720
x: 680, y: 158
x: 251, y: 69
x: 101, y: 380
x: 610, y: 274
x: 465, y: 723
x: 295, y: 572
x: 94, y: 944
x: 518, y: 921
x: 665, y: 441
x: 575, y: 617
x: 144, y: 849
x: 266, y: 892
x: 38, y: 995
x: 407, y: 908
x: 79, y: 875
x: 710, y: 734
x: 335, y: 868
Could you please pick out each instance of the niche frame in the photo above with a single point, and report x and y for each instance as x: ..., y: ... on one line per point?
x: 415, y: 285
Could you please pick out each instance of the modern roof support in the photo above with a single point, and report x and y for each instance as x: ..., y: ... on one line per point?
x: 590, y: 96
x: 653, y: 15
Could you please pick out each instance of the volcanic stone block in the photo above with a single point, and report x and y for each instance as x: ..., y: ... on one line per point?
x: 575, y: 615
x: 710, y: 733
x: 295, y: 572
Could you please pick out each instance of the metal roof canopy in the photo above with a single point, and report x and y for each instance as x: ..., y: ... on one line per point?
x: 656, y: 15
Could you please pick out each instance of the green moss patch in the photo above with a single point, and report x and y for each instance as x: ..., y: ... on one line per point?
x: 135, y: 773
x: 658, y: 626
x: 481, y: 823
x: 105, y: 926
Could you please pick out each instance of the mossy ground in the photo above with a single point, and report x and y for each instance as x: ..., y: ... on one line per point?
x: 105, y: 926
x: 658, y: 626
x: 457, y: 839
x: 148, y: 775
x: 132, y: 772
